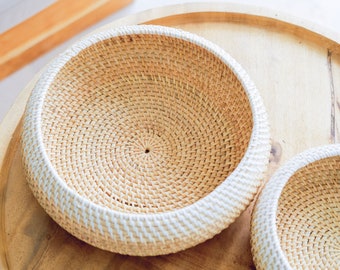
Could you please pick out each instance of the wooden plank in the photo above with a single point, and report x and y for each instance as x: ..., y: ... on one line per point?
x: 294, y: 74
x: 333, y: 63
x: 50, y: 27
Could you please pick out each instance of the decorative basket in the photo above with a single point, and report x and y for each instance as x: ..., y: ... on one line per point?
x: 145, y: 140
x: 296, y: 220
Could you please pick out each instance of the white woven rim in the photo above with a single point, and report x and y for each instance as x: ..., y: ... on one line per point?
x: 210, y: 214
x: 264, y: 231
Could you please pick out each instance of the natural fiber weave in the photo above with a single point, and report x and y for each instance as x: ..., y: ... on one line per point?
x: 296, y: 221
x: 145, y: 140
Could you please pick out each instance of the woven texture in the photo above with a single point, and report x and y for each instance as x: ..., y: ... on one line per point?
x: 296, y: 221
x: 145, y: 140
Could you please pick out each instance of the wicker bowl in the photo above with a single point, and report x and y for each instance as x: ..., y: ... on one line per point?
x: 296, y: 220
x: 144, y: 140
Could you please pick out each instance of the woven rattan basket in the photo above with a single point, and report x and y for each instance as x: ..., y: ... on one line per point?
x: 144, y: 140
x: 296, y: 221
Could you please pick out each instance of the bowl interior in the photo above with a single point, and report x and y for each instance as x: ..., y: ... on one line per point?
x: 145, y: 123
x: 308, y: 217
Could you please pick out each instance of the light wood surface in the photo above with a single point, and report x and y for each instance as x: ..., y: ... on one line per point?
x: 296, y: 67
x: 50, y: 27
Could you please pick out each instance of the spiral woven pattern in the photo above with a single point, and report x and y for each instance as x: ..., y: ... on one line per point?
x: 296, y: 222
x: 132, y: 136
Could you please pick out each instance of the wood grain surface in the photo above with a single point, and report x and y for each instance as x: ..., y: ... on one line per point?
x: 297, y: 72
x: 50, y: 27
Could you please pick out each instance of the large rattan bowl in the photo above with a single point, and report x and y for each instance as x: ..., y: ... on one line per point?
x: 144, y: 140
x: 296, y: 221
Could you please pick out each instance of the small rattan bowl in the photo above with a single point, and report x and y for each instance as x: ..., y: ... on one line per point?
x: 296, y: 220
x: 144, y: 140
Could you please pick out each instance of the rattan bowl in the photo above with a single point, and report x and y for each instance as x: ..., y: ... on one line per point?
x: 144, y: 140
x: 296, y: 220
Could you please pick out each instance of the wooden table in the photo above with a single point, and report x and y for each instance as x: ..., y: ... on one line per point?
x: 296, y: 67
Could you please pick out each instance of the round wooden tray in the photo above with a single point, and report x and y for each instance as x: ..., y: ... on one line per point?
x: 296, y: 67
